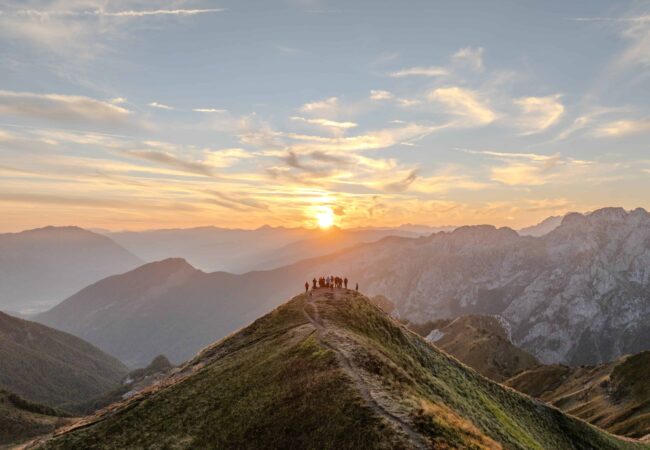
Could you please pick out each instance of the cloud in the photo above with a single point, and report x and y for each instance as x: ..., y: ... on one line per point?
x: 169, y: 160
x: 471, y: 57
x: 372, y: 140
x: 326, y: 123
x: 80, y: 30
x: 539, y: 113
x: 380, y: 95
x: 622, y: 128
x: 329, y: 104
x: 464, y: 103
x: 226, y: 157
x: 124, y: 13
x: 431, y: 71
x: 635, y: 29
x: 209, y: 110
x: 403, y: 184
x: 532, y: 169
x: 62, y: 108
x: 161, y: 106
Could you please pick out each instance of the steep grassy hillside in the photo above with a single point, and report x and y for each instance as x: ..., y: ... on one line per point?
x: 52, y: 367
x: 482, y: 343
x: 614, y: 396
x: 21, y: 419
x: 330, y: 371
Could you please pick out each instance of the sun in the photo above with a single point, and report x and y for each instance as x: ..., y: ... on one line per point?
x: 325, y: 218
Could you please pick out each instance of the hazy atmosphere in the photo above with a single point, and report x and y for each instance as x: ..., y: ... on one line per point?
x: 157, y: 114
x: 324, y: 224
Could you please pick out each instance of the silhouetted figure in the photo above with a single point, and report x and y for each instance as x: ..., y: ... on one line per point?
x: 345, y: 281
x: 306, y: 286
x: 357, y: 287
x: 314, y: 282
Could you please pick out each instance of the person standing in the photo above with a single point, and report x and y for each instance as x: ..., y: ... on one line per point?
x: 345, y: 281
x: 357, y: 287
x: 306, y: 286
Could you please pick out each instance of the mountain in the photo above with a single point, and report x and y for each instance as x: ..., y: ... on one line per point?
x: 544, y: 227
x: 482, y: 343
x: 166, y: 307
x: 240, y: 251
x: 578, y: 295
x: 21, y: 420
x: 329, y: 370
x: 52, y: 367
x: 40, y: 267
x: 614, y: 396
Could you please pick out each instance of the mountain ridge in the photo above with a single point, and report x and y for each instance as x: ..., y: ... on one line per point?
x: 334, y: 371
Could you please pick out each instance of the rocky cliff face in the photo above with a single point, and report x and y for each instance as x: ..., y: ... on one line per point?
x: 578, y: 295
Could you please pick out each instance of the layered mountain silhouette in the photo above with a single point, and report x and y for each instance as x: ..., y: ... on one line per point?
x: 40, y: 267
x: 329, y: 370
x: 577, y: 295
x: 167, y: 307
x: 239, y: 251
x: 52, y: 367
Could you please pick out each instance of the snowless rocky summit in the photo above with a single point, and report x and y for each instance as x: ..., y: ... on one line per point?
x: 577, y: 295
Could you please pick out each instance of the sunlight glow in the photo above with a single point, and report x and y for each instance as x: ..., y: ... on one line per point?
x: 325, y: 218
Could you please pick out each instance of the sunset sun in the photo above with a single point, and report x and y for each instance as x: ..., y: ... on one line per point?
x: 325, y: 218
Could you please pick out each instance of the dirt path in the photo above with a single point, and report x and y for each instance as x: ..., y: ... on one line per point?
x: 361, y: 385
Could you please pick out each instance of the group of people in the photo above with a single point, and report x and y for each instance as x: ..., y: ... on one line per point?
x: 329, y: 282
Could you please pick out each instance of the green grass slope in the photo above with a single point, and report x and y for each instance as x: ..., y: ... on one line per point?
x: 329, y: 371
x: 21, y: 419
x: 52, y: 367
x: 615, y: 396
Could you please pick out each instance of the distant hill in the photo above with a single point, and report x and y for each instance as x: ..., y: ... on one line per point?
x: 614, y: 396
x: 239, y: 251
x: 482, y: 343
x: 52, y: 367
x: 329, y: 371
x: 40, y: 267
x: 166, y: 307
x: 21, y: 420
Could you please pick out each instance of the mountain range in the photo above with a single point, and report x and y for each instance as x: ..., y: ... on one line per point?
x: 239, y: 251
x: 577, y: 295
x: 329, y: 370
x: 40, y: 267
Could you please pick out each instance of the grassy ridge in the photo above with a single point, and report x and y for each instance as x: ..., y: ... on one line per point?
x: 281, y: 383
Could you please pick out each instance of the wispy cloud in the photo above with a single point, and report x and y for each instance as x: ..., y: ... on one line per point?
x: 471, y: 57
x: 532, y: 169
x: 463, y: 103
x: 622, y: 128
x: 380, y: 95
x: 326, y: 123
x: 431, y: 71
x: 539, y: 113
x: 209, y: 110
x: 62, y: 108
x: 328, y: 104
x: 123, y: 13
x: 161, y: 106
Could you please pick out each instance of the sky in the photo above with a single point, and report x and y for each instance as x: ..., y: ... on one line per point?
x: 131, y: 114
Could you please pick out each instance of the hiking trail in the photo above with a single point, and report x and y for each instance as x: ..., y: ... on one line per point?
x: 346, y: 364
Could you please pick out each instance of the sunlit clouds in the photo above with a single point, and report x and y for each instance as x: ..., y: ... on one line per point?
x: 133, y: 114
